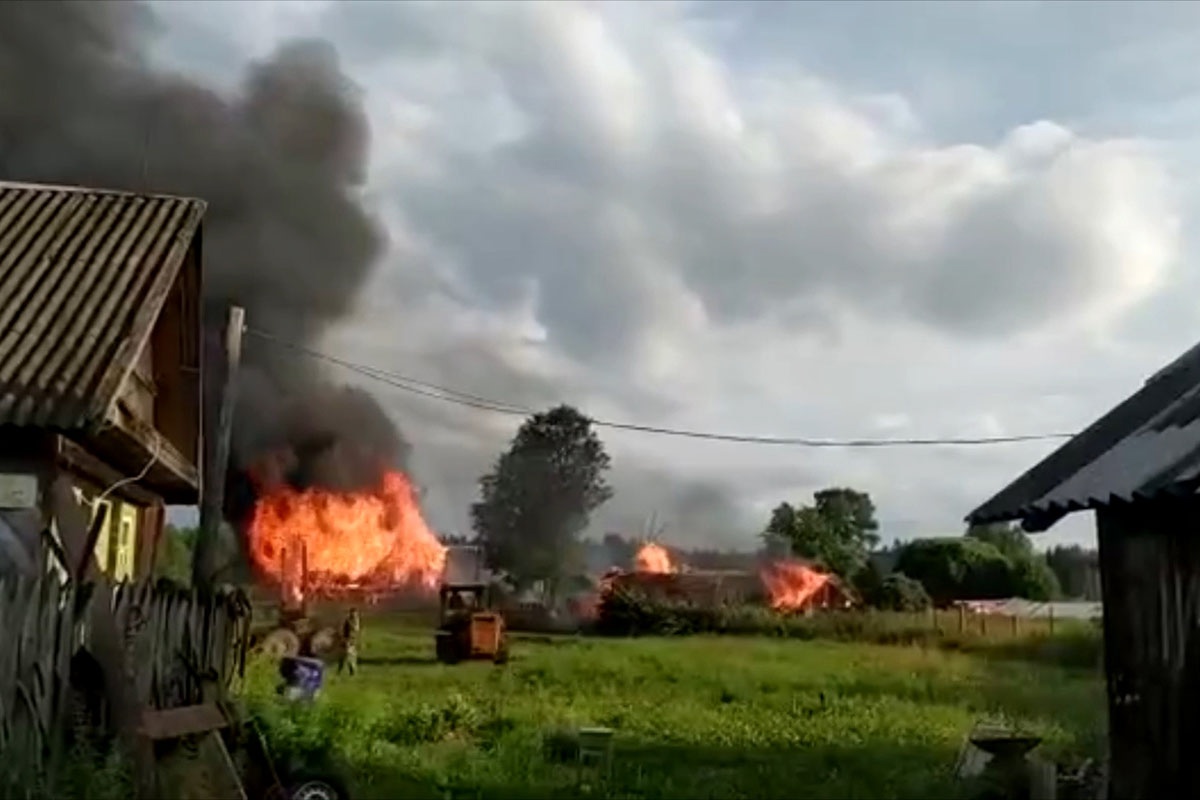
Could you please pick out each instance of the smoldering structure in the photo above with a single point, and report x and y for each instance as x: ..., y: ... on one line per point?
x: 281, y: 162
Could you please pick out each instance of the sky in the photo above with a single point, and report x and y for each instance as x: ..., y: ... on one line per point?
x: 826, y: 220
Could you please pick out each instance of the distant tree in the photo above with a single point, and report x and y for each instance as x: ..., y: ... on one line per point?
x: 720, y: 559
x: 1032, y: 577
x: 898, y: 592
x: 884, y: 558
x: 1009, y: 539
x: 957, y: 568
x: 174, y: 557
x: 970, y: 568
x: 539, y: 497
x: 619, y: 549
x: 1077, y: 570
x: 868, y: 582
x: 838, y: 530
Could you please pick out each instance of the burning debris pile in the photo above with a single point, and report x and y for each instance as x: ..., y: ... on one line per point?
x: 787, y: 585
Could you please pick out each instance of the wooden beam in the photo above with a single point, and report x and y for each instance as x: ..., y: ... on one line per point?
x: 156, y: 448
x: 73, y: 458
x: 226, y: 355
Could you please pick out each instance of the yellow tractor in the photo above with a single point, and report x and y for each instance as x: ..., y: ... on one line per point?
x: 469, y: 628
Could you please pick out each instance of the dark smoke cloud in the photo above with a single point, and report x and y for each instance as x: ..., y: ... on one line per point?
x: 281, y: 164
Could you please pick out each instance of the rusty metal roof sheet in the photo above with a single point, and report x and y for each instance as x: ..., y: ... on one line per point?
x: 76, y: 268
x: 1147, y: 446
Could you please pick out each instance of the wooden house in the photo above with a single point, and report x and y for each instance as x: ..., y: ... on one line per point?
x: 1138, y: 469
x: 100, y: 351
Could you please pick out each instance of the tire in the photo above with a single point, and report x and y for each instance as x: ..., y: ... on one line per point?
x: 281, y: 643
x: 316, y: 787
x: 447, y: 649
x: 325, y: 643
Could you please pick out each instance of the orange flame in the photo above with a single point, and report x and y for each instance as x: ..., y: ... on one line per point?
x: 793, y: 586
x: 653, y: 558
x: 372, y: 539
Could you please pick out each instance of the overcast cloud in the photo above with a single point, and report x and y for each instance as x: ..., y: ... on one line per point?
x: 833, y: 221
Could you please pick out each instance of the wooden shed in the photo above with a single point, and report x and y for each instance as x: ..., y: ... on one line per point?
x: 1138, y: 469
x: 100, y: 337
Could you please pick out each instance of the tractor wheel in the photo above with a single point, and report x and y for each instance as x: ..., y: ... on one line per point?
x: 501, y: 656
x: 313, y: 787
x: 281, y: 643
x: 447, y: 649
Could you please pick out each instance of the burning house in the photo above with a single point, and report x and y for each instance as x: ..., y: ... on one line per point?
x: 701, y: 587
x: 281, y: 161
x: 100, y: 373
x: 327, y: 542
x: 787, y: 585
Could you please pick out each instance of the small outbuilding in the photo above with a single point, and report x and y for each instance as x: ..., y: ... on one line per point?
x: 1138, y: 469
x: 100, y: 356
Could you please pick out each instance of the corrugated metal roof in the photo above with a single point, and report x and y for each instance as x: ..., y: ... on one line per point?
x: 1147, y: 446
x: 76, y: 267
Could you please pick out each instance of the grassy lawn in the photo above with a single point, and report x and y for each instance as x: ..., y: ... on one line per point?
x: 698, y: 717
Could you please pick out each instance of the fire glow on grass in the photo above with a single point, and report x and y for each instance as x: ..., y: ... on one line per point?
x: 375, y: 540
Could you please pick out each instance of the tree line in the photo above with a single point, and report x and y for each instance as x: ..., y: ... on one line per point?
x: 536, y: 502
x: 839, y: 531
x: 538, y: 498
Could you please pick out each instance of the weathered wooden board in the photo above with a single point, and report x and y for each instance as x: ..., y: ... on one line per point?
x: 174, y: 723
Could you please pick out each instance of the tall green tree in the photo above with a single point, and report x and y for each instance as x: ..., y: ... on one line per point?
x: 1077, y: 570
x: 539, y: 497
x: 838, y: 529
x: 174, y: 557
x: 1009, y: 539
x: 1032, y: 576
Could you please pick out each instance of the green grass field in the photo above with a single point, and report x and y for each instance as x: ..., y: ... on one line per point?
x: 698, y: 717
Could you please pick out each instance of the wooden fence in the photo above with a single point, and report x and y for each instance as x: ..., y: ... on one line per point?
x: 179, y: 649
x: 963, y: 621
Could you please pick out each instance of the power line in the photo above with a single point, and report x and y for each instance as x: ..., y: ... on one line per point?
x: 436, y: 392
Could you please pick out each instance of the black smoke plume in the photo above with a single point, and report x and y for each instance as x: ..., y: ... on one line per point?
x: 281, y: 163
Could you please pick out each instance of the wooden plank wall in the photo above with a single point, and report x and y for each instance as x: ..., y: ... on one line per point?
x: 166, y: 629
x: 1150, y: 562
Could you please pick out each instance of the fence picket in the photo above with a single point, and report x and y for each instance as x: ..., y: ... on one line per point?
x: 169, y: 633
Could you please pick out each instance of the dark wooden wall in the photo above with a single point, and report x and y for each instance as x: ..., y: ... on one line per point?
x: 1150, y: 562
x: 175, y: 347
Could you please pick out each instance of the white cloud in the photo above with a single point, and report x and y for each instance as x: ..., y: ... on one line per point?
x: 593, y: 203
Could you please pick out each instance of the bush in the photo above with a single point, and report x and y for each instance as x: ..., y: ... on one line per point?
x: 898, y: 592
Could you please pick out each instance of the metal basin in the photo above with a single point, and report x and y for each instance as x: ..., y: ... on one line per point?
x: 1006, y: 747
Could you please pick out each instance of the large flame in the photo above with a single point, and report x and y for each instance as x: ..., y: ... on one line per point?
x: 653, y: 557
x: 327, y: 541
x: 793, y: 586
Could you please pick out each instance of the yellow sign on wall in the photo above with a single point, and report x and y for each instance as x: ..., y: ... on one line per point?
x: 116, y: 544
x: 127, y: 529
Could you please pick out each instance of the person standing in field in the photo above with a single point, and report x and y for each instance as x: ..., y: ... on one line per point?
x: 351, y: 630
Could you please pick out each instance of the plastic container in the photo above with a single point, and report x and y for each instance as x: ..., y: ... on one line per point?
x: 302, y: 677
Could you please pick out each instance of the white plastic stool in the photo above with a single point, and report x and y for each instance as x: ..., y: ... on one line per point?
x: 595, y: 749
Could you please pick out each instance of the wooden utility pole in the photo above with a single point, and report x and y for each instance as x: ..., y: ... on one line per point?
x: 222, y: 357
